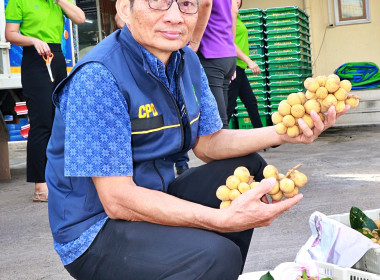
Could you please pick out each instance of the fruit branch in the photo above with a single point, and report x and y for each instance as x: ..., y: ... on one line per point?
x: 292, y: 170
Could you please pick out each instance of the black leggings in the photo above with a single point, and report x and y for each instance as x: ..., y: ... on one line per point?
x: 38, y: 89
x: 241, y: 87
x: 141, y: 250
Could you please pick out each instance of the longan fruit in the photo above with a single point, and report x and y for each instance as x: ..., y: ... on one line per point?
x: 312, y: 105
x: 308, y: 120
x: 281, y: 176
x: 293, y: 131
x: 223, y: 193
x: 243, y: 187
x: 352, y: 101
x: 311, y: 84
x: 310, y: 95
x: 299, y: 178
x: 321, y: 93
x: 302, y: 97
x: 341, y: 94
x: 286, y: 185
x: 277, y: 196
x: 377, y: 222
x: 242, y: 173
x: 340, y: 106
x: 321, y: 80
x: 224, y: 204
x: 284, y: 108
x: 330, y: 100
x: 291, y: 194
x: 270, y: 171
x: 289, y: 120
x: 297, y: 110
x: 346, y: 84
x: 335, y: 78
x: 276, y: 117
x: 331, y: 85
x: 323, y: 107
x: 234, y: 194
x: 322, y: 116
x: 232, y: 182
x: 280, y: 128
x: 275, y: 189
x: 293, y: 99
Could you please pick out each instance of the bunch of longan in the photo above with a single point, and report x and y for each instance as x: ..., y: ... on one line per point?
x: 236, y: 184
x: 286, y: 185
x: 329, y: 91
x: 322, y: 93
x: 241, y: 181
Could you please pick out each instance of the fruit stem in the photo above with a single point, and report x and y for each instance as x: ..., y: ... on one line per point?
x: 251, y: 179
x: 355, y: 96
x: 292, y: 170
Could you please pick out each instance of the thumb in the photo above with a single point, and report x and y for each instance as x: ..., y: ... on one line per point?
x: 265, y: 186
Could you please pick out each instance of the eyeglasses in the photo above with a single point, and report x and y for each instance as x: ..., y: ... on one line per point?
x: 185, y: 6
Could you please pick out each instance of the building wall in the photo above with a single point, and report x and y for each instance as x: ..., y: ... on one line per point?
x: 333, y: 46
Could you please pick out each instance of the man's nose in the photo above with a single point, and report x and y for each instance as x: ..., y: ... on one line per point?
x: 174, y: 13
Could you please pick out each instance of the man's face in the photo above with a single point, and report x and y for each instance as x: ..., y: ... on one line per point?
x: 160, y: 32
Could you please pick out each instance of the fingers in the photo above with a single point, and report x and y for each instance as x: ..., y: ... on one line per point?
x: 330, y: 117
x: 255, y: 69
x: 264, y: 199
x: 42, y: 48
x: 344, y: 111
x: 285, y: 205
x: 264, y: 187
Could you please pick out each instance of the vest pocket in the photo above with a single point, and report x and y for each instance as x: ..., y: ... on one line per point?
x: 147, y: 124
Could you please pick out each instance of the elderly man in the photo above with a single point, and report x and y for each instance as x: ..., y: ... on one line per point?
x: 126, y: 112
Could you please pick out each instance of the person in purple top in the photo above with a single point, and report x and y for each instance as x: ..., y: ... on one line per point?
x: 216, y: 49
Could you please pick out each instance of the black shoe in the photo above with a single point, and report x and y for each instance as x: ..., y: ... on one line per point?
x: 181, y: 169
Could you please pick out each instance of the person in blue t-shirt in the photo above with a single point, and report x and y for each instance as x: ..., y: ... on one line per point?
x: 126, y: 113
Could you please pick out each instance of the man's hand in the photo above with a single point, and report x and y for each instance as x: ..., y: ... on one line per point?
x: 254, y: 67
x: 249, y: 210
x: 41, y: 47
x: 309, y: 135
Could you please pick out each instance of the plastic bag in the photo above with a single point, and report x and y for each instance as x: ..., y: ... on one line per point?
x: 333, y: 242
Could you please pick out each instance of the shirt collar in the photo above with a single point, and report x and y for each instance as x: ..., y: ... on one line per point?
x: 157, y: 67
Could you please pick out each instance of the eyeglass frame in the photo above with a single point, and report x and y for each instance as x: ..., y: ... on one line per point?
x: 171, y: 3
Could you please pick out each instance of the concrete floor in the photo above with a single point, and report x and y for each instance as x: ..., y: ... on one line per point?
x: 343, y: 168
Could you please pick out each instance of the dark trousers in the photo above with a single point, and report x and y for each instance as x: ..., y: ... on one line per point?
x: 240, y: 87
x: 219, y: 72
x: 141, y: 250
x: 38, y: 89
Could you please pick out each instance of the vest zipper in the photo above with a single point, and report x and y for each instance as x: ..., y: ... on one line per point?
x: 159, y: 174
x: 184, y: 104
x: 180, y: 123
x: 175, y: 104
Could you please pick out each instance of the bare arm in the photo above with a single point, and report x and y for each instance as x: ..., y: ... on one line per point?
x: 75, y: 14
x: 123, y: 199
x: 12, y: 35
x: 228, y: 143
x: 203, y: 17
x: 251, y: 64
x: 234, y: 14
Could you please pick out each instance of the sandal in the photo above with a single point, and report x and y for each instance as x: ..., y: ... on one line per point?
x: 40, y: 196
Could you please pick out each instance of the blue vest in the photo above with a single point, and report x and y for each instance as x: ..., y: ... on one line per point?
x: 158, y: 134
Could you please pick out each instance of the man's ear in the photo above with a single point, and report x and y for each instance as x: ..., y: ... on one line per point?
x: 123, y: 10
